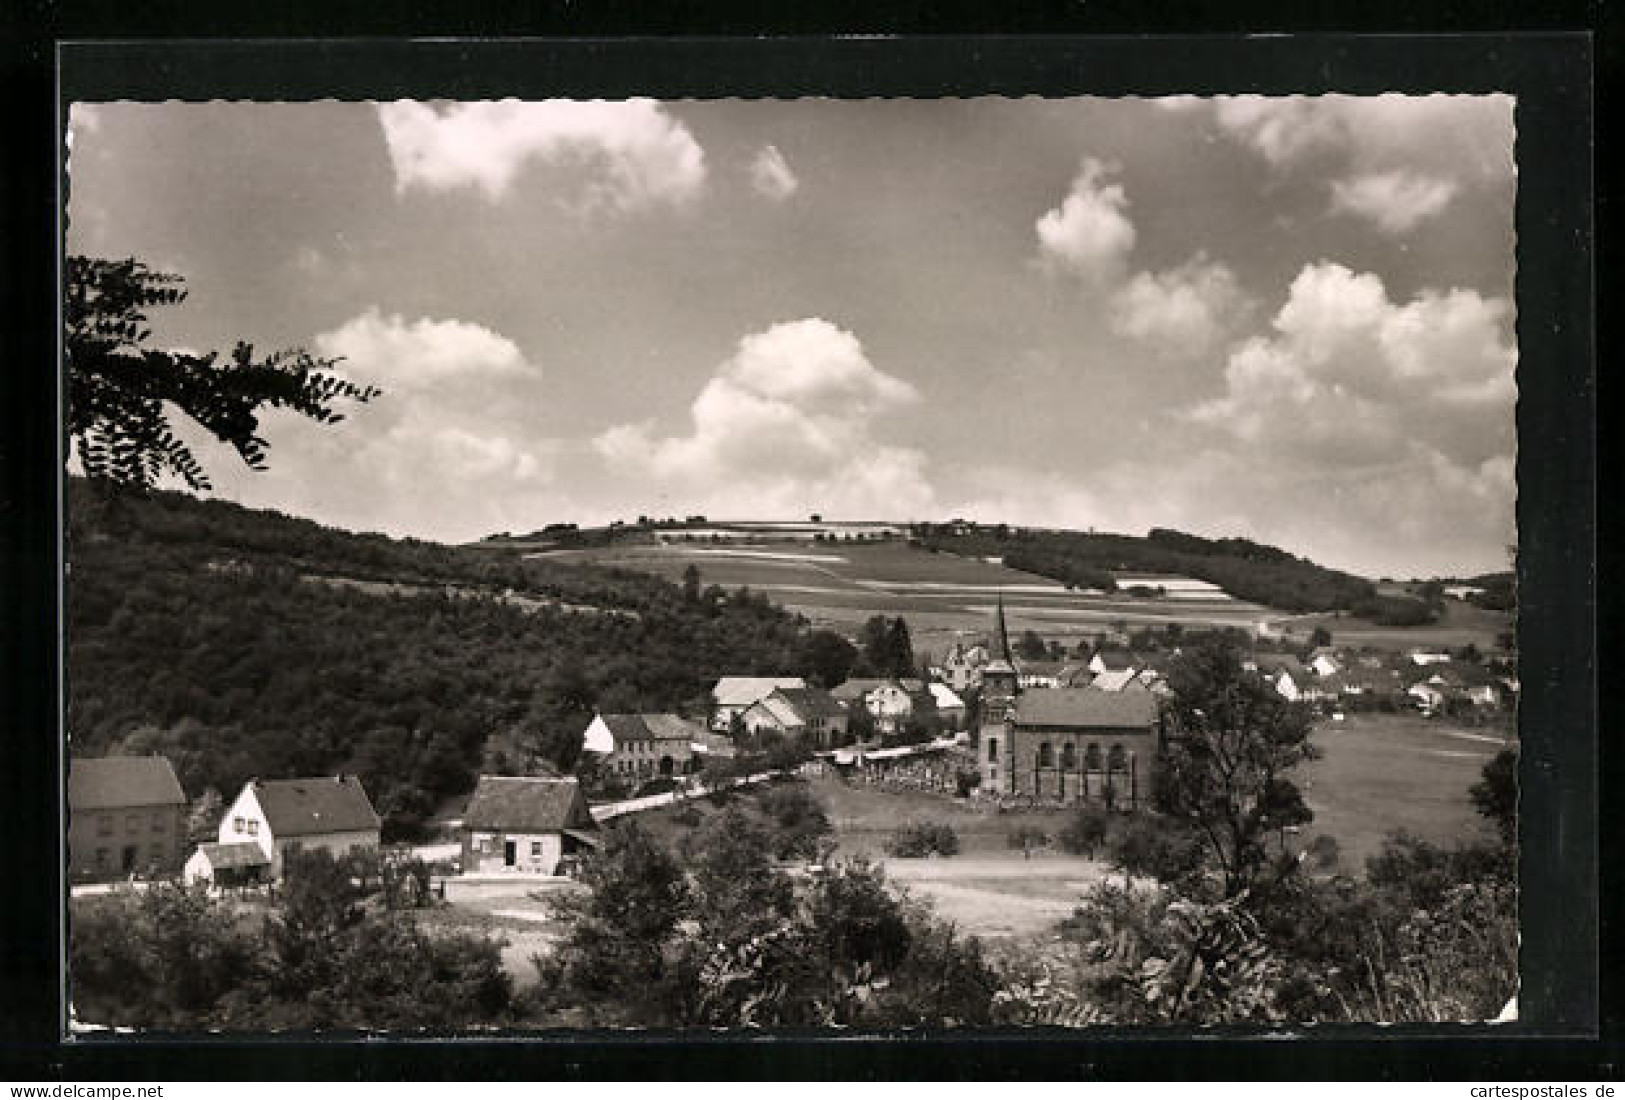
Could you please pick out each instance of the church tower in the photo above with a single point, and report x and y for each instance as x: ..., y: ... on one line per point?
x: 1000, y: 686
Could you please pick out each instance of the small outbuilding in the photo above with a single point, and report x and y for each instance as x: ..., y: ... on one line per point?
x: 228, y: 865
x: 525, y: 825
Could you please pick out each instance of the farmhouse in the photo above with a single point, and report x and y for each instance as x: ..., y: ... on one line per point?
x: 891, y: 702
x: 733, y: 695
x: 950, y: 707
x: 330, y: 812
x: 525, y: 825
x: 1113, y: 660
x: 127, y: 815
x: 644, y: 746
x: 961, y: 667
x: 795, y: 712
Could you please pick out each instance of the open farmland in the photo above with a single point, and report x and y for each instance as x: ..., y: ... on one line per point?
x: 942, y: 595
x: 1385, y: 772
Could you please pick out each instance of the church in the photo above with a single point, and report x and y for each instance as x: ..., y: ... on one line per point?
x: 1071, y: 745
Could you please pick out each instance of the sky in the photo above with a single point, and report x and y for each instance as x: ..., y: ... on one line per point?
x: 1289, y: 319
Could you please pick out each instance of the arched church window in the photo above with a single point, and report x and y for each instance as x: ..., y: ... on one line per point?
x: 1046, y: 756
x: 1118, y: 759
x: 1069, y: 757
x: 1091, y: 758
x: 992, y: 750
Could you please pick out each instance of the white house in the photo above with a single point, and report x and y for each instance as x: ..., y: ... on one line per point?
x: 1425, y: 657
x: 736, y: 694
x: 227, y: 864
x: 1324, y: 663
x: 950, y: 707
x: 330, y: 812
x: 1427, y: 696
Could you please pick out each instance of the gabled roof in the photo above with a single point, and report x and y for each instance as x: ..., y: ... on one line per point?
x: 650, y: 727
x: 328, y: 804
x: 1114, y: 679
x: 742, y: 691
x: 1280, y: 662
x: 233, y: 857
x: 527, y: 804
x: 811, y: 702
x: 118, y: 782
x: 945, y: 696
x: 1117, y: 658
x: 1086, y: 708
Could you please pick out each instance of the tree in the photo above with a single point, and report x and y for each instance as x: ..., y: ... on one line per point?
x: 899, y: 649
x: 1319, y: 637
x: 826, y: 658
x: 1232, y: 743
x: 118, y: 386
x: 1031, y: 647
x: 1086, y: 832
x: 691, y: 583
x: 1495, y: 795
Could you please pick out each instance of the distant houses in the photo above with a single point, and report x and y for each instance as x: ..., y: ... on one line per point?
x: 332, y: 813
x: 126, y: 816
x: 526, y: 825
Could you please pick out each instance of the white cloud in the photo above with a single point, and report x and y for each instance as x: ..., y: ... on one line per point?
x: 1395, y: 201
x: 1186, y: 310
x: 391, y: 352
x: 1348, y: 376
x: 632, y: 154
x: 794, y: 422
x: 770, y: 174
x: 1395, y: 160
x: 1090, y: 233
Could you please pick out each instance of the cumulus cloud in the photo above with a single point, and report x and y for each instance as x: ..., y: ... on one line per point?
x: 1395, y: 202
x: 631, y: 154
x: 1189, y: 309
x: 1090, y: 233
x: 1348, y: 379
x: 391, y: 352
x: 770, y: 174
x: 1396, y: 161
x: 794, y: 421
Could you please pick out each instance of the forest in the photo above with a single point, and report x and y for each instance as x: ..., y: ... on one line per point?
x: 193, y: 630
x: 1245, y: 569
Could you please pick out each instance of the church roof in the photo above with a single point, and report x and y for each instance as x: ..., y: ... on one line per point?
x: 1086, y: 708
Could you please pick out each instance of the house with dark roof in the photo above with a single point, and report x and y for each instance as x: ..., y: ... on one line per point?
x: 796, y: 712
x: 1074, y: 745
x: 126, y: 815
x: 1113, y: 660
x: 329, y: 812
x: 532, y: 825
x: 638, y: 747
x: 891, y: 702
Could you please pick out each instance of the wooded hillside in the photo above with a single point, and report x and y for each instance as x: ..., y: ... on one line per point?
x: 195, y: 629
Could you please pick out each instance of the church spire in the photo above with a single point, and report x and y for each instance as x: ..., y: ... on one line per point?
x: 1001, y: 639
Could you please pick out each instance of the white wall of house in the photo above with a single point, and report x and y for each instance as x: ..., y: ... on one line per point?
x: 599, y: 738
x: 245, y: 822
x: 534, y: 853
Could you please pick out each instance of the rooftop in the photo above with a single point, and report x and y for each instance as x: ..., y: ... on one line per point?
x: 521, y: 803
x: 302, y: 807
x: 116, y: 782
x: 1086, y: 708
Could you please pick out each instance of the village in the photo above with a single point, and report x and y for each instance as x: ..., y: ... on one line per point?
x: 984, y: 727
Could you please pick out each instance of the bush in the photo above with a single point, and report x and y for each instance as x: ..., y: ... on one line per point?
x: 799, y: 820
x: 687, y: 816
x: 966, y: 782
x: 664, y: 784
x: 1028, y: 837
x: 918, y: 841
x: 1086, y: 832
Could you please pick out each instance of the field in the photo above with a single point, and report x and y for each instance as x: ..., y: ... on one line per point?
x: 943, y: 596
x: 1385, y: 772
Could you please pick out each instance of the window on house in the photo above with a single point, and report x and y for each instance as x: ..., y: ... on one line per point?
x: 253, y: 827
x: 158, y: 823
x: 536, y: 849
x: 1046, y: 756
x: 104, y: 825
x: 132, y: 823
x: 101, y: 857
x: 992, y: 749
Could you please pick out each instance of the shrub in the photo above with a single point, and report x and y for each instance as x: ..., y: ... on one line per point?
x: 1028, y: 837
x: 799, y: 820
x: 1086, y: 832
x: 687, y: 816
x: 659, y: 785
x: 926, y: 839
x: 966, y: 782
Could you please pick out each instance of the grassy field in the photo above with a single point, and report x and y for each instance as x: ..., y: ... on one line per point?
x: 945, y: 596
x: 1385, y: 772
